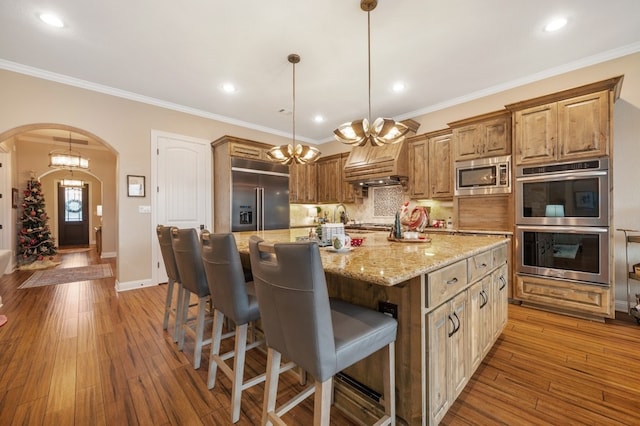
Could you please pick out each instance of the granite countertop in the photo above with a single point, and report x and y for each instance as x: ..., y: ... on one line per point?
x: 382, y: 262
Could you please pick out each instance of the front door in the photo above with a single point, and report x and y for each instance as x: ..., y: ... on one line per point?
x: 73, y: 217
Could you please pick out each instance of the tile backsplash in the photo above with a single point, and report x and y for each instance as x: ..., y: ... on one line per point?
x: 379, y: 207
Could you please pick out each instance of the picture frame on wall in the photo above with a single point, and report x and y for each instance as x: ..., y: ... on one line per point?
x: 14, y: 198
x: 135, y: 186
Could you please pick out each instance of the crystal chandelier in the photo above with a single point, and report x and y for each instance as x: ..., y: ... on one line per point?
x: 293, y: 153
x: 383, y: 130
x: 67, y: 159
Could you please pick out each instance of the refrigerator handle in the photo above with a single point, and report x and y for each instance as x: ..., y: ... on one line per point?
x: 260, y: 209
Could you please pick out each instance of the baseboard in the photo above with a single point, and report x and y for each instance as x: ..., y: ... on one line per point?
x: 133, y: 285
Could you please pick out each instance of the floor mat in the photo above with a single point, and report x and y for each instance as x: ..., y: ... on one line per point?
x: 67, y: 275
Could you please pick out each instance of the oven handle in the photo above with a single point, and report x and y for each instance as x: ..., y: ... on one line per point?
x: 568, y: 229
x: 565, y: 175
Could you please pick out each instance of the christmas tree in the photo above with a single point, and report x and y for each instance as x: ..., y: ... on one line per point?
x: 34, y: 241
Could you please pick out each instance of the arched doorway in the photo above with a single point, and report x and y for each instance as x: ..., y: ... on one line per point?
x: 28, y: 148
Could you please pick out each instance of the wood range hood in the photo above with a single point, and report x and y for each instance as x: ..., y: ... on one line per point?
x: 380, y: 165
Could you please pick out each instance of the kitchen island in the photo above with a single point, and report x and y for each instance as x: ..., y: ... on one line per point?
x: 449, y: 296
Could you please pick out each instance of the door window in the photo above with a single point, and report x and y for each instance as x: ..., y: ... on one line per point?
x: 73, y: 204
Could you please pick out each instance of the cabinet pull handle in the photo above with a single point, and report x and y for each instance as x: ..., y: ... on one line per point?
x: 482, y: 266
x: 452, y: 332
x: 452, y: 280
x: 485, y: 299
x: 455, y: 314
x: 504, y: 282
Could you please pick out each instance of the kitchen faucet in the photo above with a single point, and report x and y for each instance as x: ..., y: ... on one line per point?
x: 344, y: 219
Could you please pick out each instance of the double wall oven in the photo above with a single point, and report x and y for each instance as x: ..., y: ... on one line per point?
x: 562, y: 221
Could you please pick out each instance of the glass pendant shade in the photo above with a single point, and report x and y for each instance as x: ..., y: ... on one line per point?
x: 71, y: 183
x: 67, y: 159
x: 61, y: 159
x: 293, y: 153
x: 383, y: 131
x: 287, y: 154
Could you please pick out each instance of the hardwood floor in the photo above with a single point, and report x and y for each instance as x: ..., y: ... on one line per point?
x: 81, y: 354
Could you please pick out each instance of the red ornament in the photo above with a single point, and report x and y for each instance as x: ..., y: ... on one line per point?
x: 33, y: 213
x: 40, y: 257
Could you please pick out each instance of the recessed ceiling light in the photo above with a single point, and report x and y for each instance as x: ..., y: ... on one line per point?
x: 318, y: 119
x: 228, y: 88
x: 399, y: 87
x: 51, y: 19
x: 555, y: 24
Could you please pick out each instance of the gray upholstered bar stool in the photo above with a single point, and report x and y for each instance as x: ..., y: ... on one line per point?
x: 234, y: 298
x: 173, y: 279
x: 323, y: 336
x: 186, y: 249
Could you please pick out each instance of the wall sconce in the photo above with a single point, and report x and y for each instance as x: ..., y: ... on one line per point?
x: 554, y: 210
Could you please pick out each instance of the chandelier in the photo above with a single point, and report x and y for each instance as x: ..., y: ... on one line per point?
x: 383, y: 130
x: 294, y: 153
x: 67, y: 159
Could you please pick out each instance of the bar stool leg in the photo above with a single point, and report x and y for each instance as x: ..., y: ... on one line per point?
x: 184, y: 315
x: 238, y: 371
x: 218, y: 321
x: 202, y: 307
x: 271, y: 385
x: 322, y: 402
x: 389, y: 377
x: 167, y: 304
x: 178, y: 326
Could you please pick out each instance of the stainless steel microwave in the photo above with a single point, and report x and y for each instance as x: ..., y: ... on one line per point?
x: 483, y: 176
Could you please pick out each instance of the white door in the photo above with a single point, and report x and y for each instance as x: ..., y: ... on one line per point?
x: 180, y: 188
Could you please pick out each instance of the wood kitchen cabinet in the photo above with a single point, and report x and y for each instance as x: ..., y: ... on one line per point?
x: 440, y: 166
x: 347, y: 191
x: 487, y: 135
x: 480, y: 320
x: 329, y: 178
x: 430, y: 166
x: 447, y: 362
x: 303, y: 183
x: 568, y: 125
x: 589, y: 300
x: 418, y: 159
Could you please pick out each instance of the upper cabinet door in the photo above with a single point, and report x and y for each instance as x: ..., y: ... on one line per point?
x: 418, y: 157
x: 487, y: 135
x: 440, y: 167
x: 583, y: 126
x: 536, y: 134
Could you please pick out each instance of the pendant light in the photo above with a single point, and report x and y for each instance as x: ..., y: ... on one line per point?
x: 67, y: 159
x: 293, y: 153
x: 382, y: 131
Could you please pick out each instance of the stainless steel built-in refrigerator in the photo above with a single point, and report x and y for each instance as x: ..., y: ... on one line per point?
x: 259, y: 195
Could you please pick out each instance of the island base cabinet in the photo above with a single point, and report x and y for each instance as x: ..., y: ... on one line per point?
x: 446, y: 359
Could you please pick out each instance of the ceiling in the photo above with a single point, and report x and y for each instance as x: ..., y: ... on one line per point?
x: 178, y: 55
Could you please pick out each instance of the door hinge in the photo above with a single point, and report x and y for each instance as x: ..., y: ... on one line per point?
x: 157, y: 151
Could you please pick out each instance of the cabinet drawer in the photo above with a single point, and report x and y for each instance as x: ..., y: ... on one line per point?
x: 479, y: 265
x: 246, y: 151
x: 566, y: 295
x: 446, y: 282
x: 499, y: 255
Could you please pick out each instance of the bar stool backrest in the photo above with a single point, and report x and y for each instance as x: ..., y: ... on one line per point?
x: 186, y: 248
x: 166, y: 248
x: 294, y: 304
x: 223, y: 268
